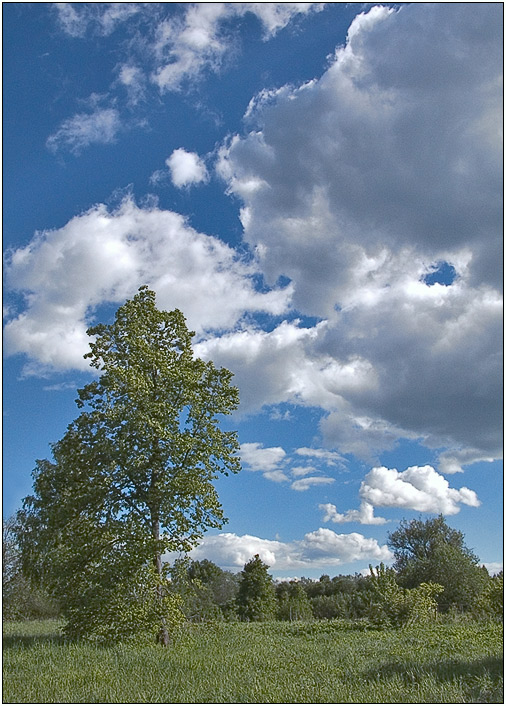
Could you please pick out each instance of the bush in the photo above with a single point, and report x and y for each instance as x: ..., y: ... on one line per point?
x: 129, y: 610
x: 490, y: 604
x: 394, y: 606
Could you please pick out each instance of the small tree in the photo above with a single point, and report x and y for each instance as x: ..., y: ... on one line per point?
x: 133, y: 476
x: 431, y: 551
x: 20, y: 599
x: 256, y: 599
x: 394, y: 606
x: 490, y: 603
x: 293, y: 603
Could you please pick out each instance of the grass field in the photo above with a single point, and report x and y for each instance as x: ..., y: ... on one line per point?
x: 259, y: 663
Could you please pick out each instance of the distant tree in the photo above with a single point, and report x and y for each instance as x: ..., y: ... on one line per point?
x: 338, y: 605
x: 197, y: 601
x: 293, y: 603
x: 431, y: 551
x: 490, y: 603
x: 133, y: 476
x: 224, y: 585
x: 207, y: 592
x: 256, y: 599
x: 20, y: 598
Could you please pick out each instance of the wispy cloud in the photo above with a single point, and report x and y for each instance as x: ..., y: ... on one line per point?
x: 83, y: 129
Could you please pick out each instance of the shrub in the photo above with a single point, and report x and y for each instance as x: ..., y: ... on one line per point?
x: 394, y: 606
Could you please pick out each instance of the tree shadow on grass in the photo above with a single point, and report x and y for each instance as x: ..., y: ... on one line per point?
x: 482, y: 677
x: 26, y: 641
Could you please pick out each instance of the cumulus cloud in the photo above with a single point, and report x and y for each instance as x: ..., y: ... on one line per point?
x: 417, y: 488
x: 104, y: 256
x: 401, y: 170
x: 186, y: 168
x: 365, y: 516
x: 83, y: 129
x: 322, y: 547
x: 259, y: 458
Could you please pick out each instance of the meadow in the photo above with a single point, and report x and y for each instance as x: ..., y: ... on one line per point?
x: 320, y: 662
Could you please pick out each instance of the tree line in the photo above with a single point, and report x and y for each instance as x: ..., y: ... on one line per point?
x: 433, y: 573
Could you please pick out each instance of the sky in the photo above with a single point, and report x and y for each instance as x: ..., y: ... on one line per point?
x: 318, y: 187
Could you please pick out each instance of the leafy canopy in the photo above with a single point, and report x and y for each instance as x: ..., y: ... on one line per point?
x: 133, y: 476
x: 431, y: 551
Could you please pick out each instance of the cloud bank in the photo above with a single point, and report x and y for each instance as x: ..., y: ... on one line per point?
x: 323, y: 547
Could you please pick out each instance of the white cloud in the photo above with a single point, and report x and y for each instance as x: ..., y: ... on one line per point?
x: 494, y: 567
x: 365, y: 516
x: 330, y: 458
x: 306, y: 483
x: 320, y: 548
x: 263, y: 459
x: 76, y: 18
x: 186, y: 168
x: 83, y: 129
x: 417, y: 488
x: 400, y: 170
x: 186, y: 45
x: 103, y: 256
x: 133, y: 79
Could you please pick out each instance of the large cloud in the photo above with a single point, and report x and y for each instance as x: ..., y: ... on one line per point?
x: 102, y: 256
x: 355, y: 186
x: 323, y: 547
x: 396, y: 146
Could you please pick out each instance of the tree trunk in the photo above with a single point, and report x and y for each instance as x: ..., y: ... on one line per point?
x: 163, y: 636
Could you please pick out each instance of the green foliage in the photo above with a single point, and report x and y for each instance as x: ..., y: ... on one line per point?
x: 133, y: 476
x: 337, y: 605
x: 431, y: 551
x: 20, y: 598
x: 256, y: 599
x: 196, y: 597
x: 490, y: 603
x: 394, y: 606
x: 293, y: 603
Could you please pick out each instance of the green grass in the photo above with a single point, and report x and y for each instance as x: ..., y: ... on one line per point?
x: 259, y: 663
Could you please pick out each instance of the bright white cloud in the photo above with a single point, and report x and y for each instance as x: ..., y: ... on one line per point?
x: 322, y: 547
x: 365, y: 516
x: 259, y: 458
x: 417, y: 488
x: 83, y: 129
x: 102, y: 256
x: 186, y: 168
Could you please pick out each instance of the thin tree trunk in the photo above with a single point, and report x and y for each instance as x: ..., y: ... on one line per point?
x: 163, y: 635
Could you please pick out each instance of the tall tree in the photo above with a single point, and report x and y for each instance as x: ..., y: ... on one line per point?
x: 256, y: 599
x: 133, y: 476
x: 431, y: 551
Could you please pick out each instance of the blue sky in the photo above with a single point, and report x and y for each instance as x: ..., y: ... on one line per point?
x: 317, y: 186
